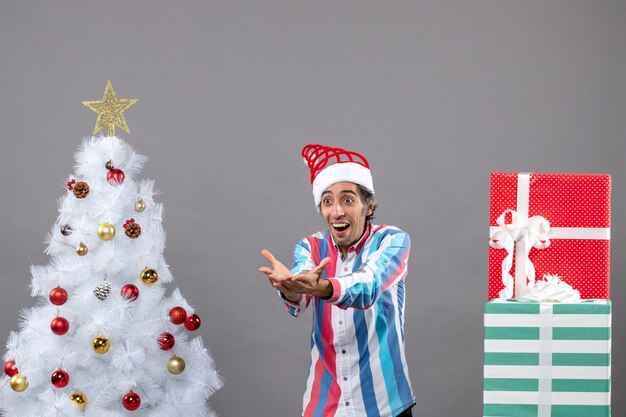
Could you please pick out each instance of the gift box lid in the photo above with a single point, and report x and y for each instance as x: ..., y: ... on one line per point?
x: 566, y: 200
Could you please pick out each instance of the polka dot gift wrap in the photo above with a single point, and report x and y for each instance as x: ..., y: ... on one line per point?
x: 578, y: 210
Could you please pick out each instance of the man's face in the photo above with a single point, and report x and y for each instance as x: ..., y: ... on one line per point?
x: 344, y: 213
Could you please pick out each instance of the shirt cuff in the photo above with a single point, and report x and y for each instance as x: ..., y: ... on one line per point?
x: 337, y: 295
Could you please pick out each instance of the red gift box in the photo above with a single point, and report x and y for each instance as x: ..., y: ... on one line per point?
x: 550, y: 224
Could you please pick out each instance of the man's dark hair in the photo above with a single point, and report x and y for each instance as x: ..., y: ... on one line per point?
x: 367, y: 197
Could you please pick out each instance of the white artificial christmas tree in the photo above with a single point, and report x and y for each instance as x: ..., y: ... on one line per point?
x: 104, y: 339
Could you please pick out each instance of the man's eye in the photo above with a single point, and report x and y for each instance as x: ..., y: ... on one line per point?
x: 348, y: 200
x: 327, y: 201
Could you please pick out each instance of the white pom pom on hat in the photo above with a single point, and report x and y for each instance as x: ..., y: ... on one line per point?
x: 330, y: 165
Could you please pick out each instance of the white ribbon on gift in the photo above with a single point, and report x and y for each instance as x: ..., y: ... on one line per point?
x: 544, y: 400
x: 550, y: 289
x: 524, y: 233
x: 527, y: 233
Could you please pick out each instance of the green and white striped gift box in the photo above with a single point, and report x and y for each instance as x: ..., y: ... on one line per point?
x: 547, y: 359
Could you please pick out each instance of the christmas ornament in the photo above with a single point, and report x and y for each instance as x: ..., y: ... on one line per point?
x: 66, y: 230
x: 176, y: 365
x: 178, y: 315
x: 102, y: 290
x: 166, y: 341
x: 140, y: 205
x: 132, y: 229
x: 130, y: 292
x: 110, y: 111
x: 70, y: 184
x: 193, y: 322
x: 109, y: 165
x: 131, y: 401
x: 59, y: 326
x: 58, y: 296
x: 80, y: 400
x: 106, y: 231
x: 10, y: 368
x: 82, y: 249
x: 60, y: 378
x: 149, y: 276
x: 115, y: 177
x: 101, y: 344
x: 19, y: 383
x: 81, y: 189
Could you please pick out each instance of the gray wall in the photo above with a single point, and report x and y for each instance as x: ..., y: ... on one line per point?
x: 436, y: 93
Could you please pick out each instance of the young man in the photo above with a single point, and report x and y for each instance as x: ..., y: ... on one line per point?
x: 353, y: 275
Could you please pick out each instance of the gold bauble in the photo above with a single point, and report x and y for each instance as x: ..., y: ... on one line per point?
x: 176, y: 365
x: 82, y: 249
x: 19, y: 383
x: 101, y: 344
x: 149, y: 276
x: 140, y: 205
x: 80, y: 399
x: 106, y: 231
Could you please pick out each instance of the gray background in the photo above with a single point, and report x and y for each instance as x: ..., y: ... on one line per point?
x: 437, y: 94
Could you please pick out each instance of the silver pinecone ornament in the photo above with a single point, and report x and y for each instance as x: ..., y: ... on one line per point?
x: 103, y: 290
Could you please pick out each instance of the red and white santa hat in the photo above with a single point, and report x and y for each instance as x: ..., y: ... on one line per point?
x: 330, y: 165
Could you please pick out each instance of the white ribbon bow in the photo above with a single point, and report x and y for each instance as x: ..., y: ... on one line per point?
x: 528, y: 233
x: 550, y: 289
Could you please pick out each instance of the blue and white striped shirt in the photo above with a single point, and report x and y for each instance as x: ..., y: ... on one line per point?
x: 358, y: 366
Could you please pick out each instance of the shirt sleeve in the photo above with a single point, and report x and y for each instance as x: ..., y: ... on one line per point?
x: 384, y: 267
x: 302, y: 261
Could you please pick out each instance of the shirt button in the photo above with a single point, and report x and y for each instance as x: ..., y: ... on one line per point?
x: 340, y: 322
x: 343, y: 351
x: 345, y: 268
x: 347, y: 402
x: 345, y: 378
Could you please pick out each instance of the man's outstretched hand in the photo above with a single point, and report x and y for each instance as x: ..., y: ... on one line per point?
x: 292, y: 286
x: 277, y: 275
x: 311, y: 282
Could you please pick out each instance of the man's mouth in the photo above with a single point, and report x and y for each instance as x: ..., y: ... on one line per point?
x: 340, y: 227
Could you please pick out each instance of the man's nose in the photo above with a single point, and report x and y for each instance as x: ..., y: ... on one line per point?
x: 337, y: 210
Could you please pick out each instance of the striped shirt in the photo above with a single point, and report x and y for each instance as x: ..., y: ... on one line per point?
x: 358, y: 367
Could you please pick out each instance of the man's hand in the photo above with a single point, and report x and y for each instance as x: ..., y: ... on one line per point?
x: 278, y: 276
x: 292, y: 286
x: 311, y: 282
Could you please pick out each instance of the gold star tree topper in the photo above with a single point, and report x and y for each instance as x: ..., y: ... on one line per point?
x: 110, y: 111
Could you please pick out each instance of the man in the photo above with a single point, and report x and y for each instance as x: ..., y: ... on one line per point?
x: 354, y: 278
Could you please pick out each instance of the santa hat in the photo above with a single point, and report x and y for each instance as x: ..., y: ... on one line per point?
x: 332, y: 165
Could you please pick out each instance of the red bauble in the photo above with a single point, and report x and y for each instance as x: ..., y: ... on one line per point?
x: 115, y: 177
x: 193, y: 322
x: 178, y: 315
x: 130, y: 292
x: 131, y: 401
x: 10, y: 368
x: 58, y: 296
x: 59, y: 326
x: 60, y: 378
x: 166, y: 341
